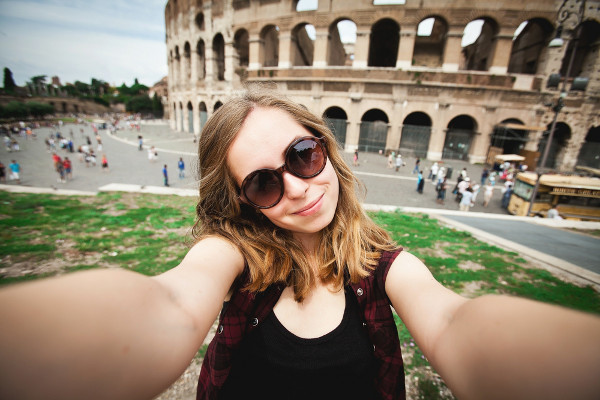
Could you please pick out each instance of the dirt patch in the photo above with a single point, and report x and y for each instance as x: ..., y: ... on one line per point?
x: 471, y: 289
x: 438, y: 251
x: 470, y: 265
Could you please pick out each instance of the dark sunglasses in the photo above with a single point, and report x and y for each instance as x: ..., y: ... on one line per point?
x: 305, y: 158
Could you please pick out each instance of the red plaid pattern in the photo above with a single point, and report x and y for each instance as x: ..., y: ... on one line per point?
x: 245, y: 311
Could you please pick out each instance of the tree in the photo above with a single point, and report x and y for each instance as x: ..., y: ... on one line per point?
x: 139, y: 104
x: 9, y: 83
x: 157, y: 107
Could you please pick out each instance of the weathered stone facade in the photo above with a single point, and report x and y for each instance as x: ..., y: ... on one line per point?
x: 393, y: 86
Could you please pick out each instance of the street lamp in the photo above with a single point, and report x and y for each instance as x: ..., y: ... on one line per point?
x: 563, y: 14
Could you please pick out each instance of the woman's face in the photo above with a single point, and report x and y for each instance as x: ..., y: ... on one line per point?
x: 307, y: 205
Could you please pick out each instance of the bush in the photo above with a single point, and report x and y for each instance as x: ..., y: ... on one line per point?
x: 39, y: 109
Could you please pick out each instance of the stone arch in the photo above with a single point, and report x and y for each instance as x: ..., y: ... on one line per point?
x: 201, y: 60
x: 269, y: 46
x: 416, y: 132
x: 181, y: 124
x: 477, y: 56
x: 528, y: 45
x: 217, y: 105
x: 175, y: 17
x: 199, y: 20
x: 589, y: 155
x: 340, y: 50
x: 430, y: 42
x: 509, y: 137
x: 586, y: 55
x: 241, y: 46
x: 218, y: 55
x: 187, y: 61
x: 337, y: 120
x: 302, y: 45
x: 203, y: 111
x: 459, y: 136
x: 373, y: 131
x: 190, y: 117
x: 177, y: 63
x: 562, y: 134
x: 383, y: 43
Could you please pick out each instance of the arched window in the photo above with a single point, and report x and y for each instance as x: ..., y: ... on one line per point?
x: 416, y: 131
x: 530, y: 39
x: 218, y: 48
x: 303, y: 45
x: 479, y: 41
x: 341, y: 41
x: 430, y: 42
x: 373, y: 131
x: 383, y: 43
x: 337, y: 120
x: 269, y: 50
x: 459, y: 136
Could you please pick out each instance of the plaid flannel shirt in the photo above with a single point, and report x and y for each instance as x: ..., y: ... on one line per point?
x: 246, y: 310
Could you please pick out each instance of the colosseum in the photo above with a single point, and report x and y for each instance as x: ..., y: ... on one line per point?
x: 440, y: 79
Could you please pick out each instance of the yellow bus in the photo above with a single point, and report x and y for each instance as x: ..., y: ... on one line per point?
x: 575, y: 197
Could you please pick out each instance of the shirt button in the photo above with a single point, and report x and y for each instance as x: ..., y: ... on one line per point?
x: 254, y: 321
x: 220, y: 329
x: 359, y: 292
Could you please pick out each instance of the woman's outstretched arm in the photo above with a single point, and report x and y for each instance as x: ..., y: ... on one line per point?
x: 497, y: 347
x: 111, y: 333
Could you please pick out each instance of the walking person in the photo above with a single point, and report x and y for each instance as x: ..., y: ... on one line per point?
x: 398, y: 162
x: 420, y: 182
x: 140, y: 143
x: 104, y: 163
x: 68, y: 168
x: 15, y: 171
x: 434, y: 171
x: 308, y: 281
x: 165, y: 175
x: 417, y: 165
x: 2, y: 172
x: 441, y: 191
x: 466, y: 200
x: 488, y: 192
x: 355, y: 159
x: 181, y: 166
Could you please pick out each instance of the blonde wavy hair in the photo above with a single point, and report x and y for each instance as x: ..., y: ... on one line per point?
x: 350, y: 245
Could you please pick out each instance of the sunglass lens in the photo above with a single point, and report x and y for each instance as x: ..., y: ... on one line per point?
x: 306, y: 158
x: 264, y: 189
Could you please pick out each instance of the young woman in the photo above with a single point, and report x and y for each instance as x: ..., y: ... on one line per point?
x: 307, y: 281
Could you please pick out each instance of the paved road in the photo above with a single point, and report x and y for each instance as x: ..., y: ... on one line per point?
x: 580, y: 249
x: 384, y: 186
x: 130, y: 166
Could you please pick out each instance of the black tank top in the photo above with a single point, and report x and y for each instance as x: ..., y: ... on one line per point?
x: 273, y: 363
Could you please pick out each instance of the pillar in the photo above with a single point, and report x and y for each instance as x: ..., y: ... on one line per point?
x: 452, y: 50
x: 285, y: 50
x: 320, y: 56
x: 501, y: 56
x: 254, y: 48
x: 361, y: 50
x: 406, y: 49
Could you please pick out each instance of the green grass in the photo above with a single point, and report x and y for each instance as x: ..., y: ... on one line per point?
x: 45, y: 235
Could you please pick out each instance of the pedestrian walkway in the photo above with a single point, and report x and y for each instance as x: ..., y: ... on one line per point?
x: 131, y: 171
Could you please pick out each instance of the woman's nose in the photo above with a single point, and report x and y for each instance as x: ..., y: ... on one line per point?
x: 293, y: 186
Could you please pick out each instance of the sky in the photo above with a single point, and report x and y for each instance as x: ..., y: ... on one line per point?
x: 112, y: 40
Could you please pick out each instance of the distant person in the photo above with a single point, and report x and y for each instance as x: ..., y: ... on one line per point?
x: 420, y: 182
x: 15, y: 171
x: 104, y: 163
x: 165, y: 175
x: 2, y: 173
x: 484, y: 175
x: 68, y: 167
x: 398, y: 162
x: 355, y: 159
x: 466, y: 200
x: 181, y: 167
x: 553, y: 213
x: 417, y: 165
x: 488, y: 192
x: 140, y: 143
x: 433, y: 172
x: 441, y: 191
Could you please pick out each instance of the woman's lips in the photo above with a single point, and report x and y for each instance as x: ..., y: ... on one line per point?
x: 312, y: 208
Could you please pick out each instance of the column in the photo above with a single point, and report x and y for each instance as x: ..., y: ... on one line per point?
x: 438, y: 133
x: 230, y: 61
x: 320, y: 56
x: 406, y: 49
x: 361, y: 50
x: 254, y: 48
x: 208, y: 60
x: 452, y: 51
x: 285, y: 50
x: 501, y: 56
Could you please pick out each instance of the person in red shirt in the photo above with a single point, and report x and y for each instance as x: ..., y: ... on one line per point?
x: 68, y: 168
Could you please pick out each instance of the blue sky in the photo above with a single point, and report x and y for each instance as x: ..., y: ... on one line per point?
x: 112, y: 40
